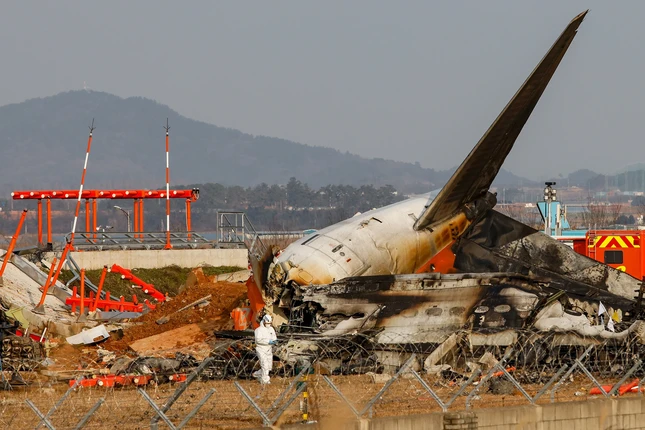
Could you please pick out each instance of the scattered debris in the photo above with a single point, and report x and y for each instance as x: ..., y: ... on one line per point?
x: 488, y: 360
x: 225, y: 296
x: 239, y: 276
x: 438, y: 355
x: 500, y: 386
x: 89, y: 336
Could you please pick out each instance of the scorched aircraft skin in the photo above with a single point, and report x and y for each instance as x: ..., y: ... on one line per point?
x: 359, y: 274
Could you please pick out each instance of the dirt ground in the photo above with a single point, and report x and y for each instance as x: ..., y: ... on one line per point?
x: 126, y: 408
x: 225, y: 296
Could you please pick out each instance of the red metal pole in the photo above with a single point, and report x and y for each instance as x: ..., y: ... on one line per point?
x: 100, y: 288
x: 49, y: 220
x: 141, y: 228
x: 63, y: 257
x: 94, y: 218
x: 12, y: 244
x: 188, y: 217
x: 49, y: 275
x: 40, y: 222
x: 168, y: 245
x: 40, y: 307
x: 146, y: 287
x: 87, y: 215
x: 80, y: 190
x: 135, y: 210
x: 82, y: 310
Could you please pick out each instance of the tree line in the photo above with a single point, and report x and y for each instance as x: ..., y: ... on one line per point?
x: 294, y: 206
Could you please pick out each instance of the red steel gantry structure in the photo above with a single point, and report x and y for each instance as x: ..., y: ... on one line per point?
x: 90, y: 196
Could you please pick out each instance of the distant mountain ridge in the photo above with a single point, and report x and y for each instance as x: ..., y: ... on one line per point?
x: 43, y: 143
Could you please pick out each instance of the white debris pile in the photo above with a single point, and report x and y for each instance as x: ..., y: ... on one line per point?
x: 20, y: 294
x: 20, y: 291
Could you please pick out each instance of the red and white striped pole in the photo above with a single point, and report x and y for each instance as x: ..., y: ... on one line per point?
x: 70, y: 242
x: 168, y: 245
x: 80, y: 190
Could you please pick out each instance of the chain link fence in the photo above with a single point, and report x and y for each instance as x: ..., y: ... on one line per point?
x: 340, y: 378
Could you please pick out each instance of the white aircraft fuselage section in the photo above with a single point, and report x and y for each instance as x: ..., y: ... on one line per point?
x: 379, y: 242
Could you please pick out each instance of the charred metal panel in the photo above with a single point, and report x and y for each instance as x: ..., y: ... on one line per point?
x: 427, y: 308
x: 424, y: 307
x: 499, y: 243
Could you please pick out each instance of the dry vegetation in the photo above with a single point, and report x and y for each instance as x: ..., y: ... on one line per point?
x: 167, y: 280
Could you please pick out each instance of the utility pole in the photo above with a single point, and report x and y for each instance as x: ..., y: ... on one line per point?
x: 127, y: 214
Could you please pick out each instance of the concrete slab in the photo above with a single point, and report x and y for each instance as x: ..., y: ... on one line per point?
x: 21, y: 294
x: 570, y: 412
x: 33, y: 271
x: 239, y: 276
x: 629, y: 406
x: 157, y: 258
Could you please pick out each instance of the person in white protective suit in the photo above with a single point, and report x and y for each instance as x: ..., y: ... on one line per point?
x: 265, y: 338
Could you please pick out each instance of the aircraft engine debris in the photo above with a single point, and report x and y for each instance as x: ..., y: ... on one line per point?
x: 18, y: 352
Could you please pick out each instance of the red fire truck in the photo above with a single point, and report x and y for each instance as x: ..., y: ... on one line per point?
x: 620, y: 249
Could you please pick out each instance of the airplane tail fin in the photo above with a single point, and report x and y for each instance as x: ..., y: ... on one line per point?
x: 475, y: 175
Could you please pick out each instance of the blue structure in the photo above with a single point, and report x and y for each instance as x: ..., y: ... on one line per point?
x: 557, y: 225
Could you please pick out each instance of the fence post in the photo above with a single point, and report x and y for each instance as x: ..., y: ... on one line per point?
x: 154, y: 421
x: 569, y: 372
x: 59, y: 402
x: 551, y: 381
x: 487, y: 377
x: 88, y: 415
x: 624, y: 378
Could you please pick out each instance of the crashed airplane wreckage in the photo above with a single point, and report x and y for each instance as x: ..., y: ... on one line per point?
x: 509, y: 279
x: 373, y: 273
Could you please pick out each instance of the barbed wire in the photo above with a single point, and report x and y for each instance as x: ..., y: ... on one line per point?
x: 355, y: 365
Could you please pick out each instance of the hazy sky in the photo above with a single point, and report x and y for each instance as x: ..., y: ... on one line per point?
x: 410, y: 81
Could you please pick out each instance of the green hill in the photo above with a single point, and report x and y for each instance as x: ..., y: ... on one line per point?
x: 44, y: 142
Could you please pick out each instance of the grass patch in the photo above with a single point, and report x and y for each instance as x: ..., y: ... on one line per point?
x: 166, y: 279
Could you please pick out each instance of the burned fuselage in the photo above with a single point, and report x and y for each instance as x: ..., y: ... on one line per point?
x: 362, y: 274
x: 403, y: 237
x: 427, y: 308
x: 417, y: 308
x: 513, y: 278
x: 379, y: 242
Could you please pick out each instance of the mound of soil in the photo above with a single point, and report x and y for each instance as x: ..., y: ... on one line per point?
x: 225, y: 296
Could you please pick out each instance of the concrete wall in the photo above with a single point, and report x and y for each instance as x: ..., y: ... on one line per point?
x: 616, y: 413
x: 153, y: 259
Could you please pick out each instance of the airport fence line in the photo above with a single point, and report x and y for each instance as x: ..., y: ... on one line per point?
x: 345, y: 377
